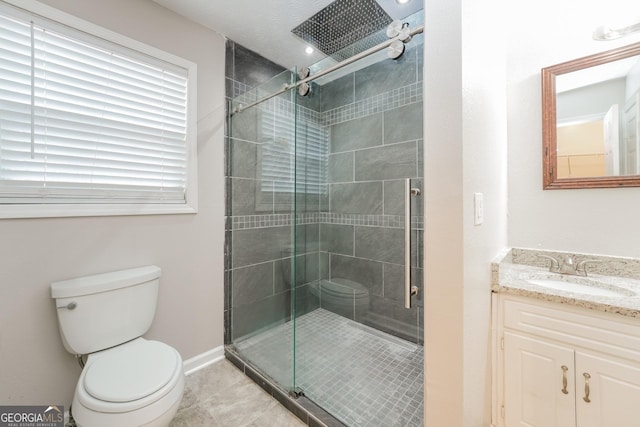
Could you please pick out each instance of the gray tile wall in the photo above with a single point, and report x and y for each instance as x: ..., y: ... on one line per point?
x: 256, y: 294
x: 355, y: 231
x: 376, y: 142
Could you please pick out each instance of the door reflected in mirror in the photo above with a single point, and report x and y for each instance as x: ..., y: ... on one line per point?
x: 591, y: 108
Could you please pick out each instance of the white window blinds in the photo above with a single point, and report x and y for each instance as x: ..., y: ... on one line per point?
x: 83, y: 120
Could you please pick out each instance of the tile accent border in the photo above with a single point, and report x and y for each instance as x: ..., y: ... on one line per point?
x: 385, y: 101
x: 279, y: 105
x: 243, y: 222
x: 239, y: 88
x: 390, y: 100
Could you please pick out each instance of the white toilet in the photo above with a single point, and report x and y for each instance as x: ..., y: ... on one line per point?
x: 343, y: 295
x: 127, y: 380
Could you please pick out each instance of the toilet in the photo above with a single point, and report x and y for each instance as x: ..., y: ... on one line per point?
x: 337, y: 294
x: 342, y: 295
x: 127, y: 380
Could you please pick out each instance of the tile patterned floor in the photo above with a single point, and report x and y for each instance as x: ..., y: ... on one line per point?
x: 362, y: 376
x: 220, y: 395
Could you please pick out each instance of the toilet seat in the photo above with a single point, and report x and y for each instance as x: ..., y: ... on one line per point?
x: 129, y: 376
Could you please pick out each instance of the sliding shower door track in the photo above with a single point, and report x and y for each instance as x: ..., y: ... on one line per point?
x: 351, y: 60
x: 294, y: 400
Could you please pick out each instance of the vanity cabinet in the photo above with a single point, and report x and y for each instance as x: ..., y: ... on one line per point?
x: 565, y: 366
x: 534, y: 370
x: 614, y: 385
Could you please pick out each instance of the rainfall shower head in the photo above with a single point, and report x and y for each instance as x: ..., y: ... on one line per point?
x: 345, y: 27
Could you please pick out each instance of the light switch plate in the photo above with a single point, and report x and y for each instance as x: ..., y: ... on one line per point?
x: 478, y: 203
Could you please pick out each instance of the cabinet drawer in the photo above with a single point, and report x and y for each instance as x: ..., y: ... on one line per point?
x: 578, y: 327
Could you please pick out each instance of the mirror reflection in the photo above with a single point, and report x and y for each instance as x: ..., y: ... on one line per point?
x: 597, y: 117
x: 591, y: 111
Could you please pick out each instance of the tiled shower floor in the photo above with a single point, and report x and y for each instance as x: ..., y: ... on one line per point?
x: 362, y: 376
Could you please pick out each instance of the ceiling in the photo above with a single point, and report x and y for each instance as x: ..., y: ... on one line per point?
x: 264, y: 26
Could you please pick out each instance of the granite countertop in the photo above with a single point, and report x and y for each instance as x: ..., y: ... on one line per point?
x: 512, y: 278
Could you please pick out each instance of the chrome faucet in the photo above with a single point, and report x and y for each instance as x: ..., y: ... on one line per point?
x: 566, y: 265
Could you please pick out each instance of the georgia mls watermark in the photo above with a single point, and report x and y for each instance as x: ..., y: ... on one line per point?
x: 32, y: 416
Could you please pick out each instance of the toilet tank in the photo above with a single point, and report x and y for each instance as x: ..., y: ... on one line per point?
x: 104, y: 310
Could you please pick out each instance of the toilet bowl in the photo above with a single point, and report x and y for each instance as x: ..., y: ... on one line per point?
x: 126, y: 380
x: 336, y: 294
x: 342, y: 294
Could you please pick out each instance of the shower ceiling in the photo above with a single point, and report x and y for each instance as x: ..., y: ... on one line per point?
x: 265, y: 26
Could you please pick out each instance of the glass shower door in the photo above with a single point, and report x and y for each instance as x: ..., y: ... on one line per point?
x: 326, y: 233
x: 359, y: 351
x: 261, y: 228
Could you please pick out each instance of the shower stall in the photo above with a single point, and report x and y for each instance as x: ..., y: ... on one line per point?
x: 325, y: 233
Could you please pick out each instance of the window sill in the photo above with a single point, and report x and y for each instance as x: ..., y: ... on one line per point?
x: 78, y: 210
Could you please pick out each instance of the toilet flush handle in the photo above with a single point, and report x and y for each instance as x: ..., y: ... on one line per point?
x: 72, y: 305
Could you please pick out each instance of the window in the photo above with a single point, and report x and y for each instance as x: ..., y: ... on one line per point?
x: 88, y: 126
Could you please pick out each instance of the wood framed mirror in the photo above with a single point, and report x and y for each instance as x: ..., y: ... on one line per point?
x: 591, y: 121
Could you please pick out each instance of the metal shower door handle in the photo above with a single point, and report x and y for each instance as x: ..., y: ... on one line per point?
x: 409, y: 290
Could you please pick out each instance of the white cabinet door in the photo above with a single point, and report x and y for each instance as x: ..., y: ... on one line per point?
x: 539, y: 383
x: 614, y: 391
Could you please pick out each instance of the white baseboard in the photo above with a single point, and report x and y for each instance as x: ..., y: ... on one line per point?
x: 203, y: 360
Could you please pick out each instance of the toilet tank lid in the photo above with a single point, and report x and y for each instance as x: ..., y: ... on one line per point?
x: 103, y: 282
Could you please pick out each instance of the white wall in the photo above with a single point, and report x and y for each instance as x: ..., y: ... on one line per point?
x: 465, y: 153
x: 443, y: 240
x: 485, y: 171
x: 34, y: 366
x: 603, y: 221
